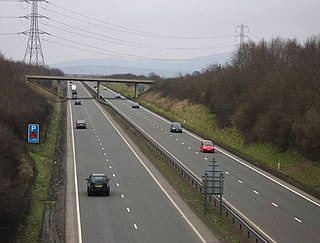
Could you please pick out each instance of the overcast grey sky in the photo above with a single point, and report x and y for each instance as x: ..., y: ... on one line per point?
x: 168, y: 29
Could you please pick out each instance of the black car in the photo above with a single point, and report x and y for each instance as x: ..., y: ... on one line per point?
x: 77, y: 102
x: 135, y: 105
x: 81, y: 124
x: 175, y: 127
x: 98, y: 183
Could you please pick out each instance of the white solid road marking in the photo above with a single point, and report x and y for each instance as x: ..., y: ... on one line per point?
x: 128, y: 209
x: 75, y: 178
x: 227, y: 173
x: 275, y: 205
x: 122, y: 195
x: 118, y: 184
x: 135, y: 226
x: 298, y: 220
x: 240, y: 182
x: 256, y: 192
x: 155, y: 179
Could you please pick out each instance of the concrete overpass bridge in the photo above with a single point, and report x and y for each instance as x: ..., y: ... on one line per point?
x: 136, y: 82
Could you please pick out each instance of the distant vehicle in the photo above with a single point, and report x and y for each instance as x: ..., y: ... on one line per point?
x: 95, y: 86
x: 104, y: 87
x: 207, y: 146
x: 98, y: 183
x: 73, y: 87
x: 77, y: 102
x: 74, y: 91
x: 175, y: 127
x: 117, y: 96
x: 135, y: 105
x: 81, y: 124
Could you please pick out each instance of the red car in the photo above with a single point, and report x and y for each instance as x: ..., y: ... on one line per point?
x: 207, y: 146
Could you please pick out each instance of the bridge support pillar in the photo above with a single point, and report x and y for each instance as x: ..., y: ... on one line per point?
x: 98, y: 89
x: 136, y: 91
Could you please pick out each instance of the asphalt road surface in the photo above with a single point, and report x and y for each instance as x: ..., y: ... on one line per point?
x: 140, y: 207
x: 281, y: 211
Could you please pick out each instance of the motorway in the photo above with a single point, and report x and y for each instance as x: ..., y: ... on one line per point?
x: 139, y: 208
x: 282, y: 212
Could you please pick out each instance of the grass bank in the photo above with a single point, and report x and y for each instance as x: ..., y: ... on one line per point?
x: 293, y: 167
x: 43, y: 155
x: 288, y: 165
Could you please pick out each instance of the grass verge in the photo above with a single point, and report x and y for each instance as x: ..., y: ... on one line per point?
x: 289, y: 165
x: 42, y: 155
x: 294, y: 168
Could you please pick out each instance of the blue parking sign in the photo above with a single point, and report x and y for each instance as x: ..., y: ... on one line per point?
x: 33, y: 133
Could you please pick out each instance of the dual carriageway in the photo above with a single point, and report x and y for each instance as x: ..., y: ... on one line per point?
x: 140, y: 209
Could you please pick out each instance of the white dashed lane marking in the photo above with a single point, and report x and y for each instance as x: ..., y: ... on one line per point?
x: 110, y: 167
x: 227, y: 173
x: 128, y: 209
x: 275, y: 205
x: 182, y: 143
x: 298, y: 220
x: 205, y: 158
x: 113, y: 175
x: 104, y: 154
x: 189, y: 147
x: 256, y: 192
x: 240, y: 182
x: 135, y: 226
x: 118, y: 184
x: 122, y: 195
x: 197, y: 152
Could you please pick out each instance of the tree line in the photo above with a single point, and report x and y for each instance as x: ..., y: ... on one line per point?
x: 268, y: 90
x: 19, y: 106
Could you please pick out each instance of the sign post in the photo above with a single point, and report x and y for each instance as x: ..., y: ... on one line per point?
x: 212, y: 183
x: 33, y: 133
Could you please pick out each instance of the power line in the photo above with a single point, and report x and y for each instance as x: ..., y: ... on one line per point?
x: 155, y: 58
x: 138, y: 32
x: 138, y: 45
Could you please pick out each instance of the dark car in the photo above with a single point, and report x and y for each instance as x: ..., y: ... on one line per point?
x: 98, y: 184
x: 207, y: 146
x: 81, y: 124
x: 135, y: 105
x: 77, y: 102
x: 175, y: 127
x: 117, y: 96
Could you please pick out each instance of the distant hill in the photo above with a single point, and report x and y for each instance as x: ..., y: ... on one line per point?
x: 162, y: 68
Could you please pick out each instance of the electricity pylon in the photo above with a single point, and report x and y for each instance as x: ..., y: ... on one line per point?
x: 33, y: 54
x: 242, y: 34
